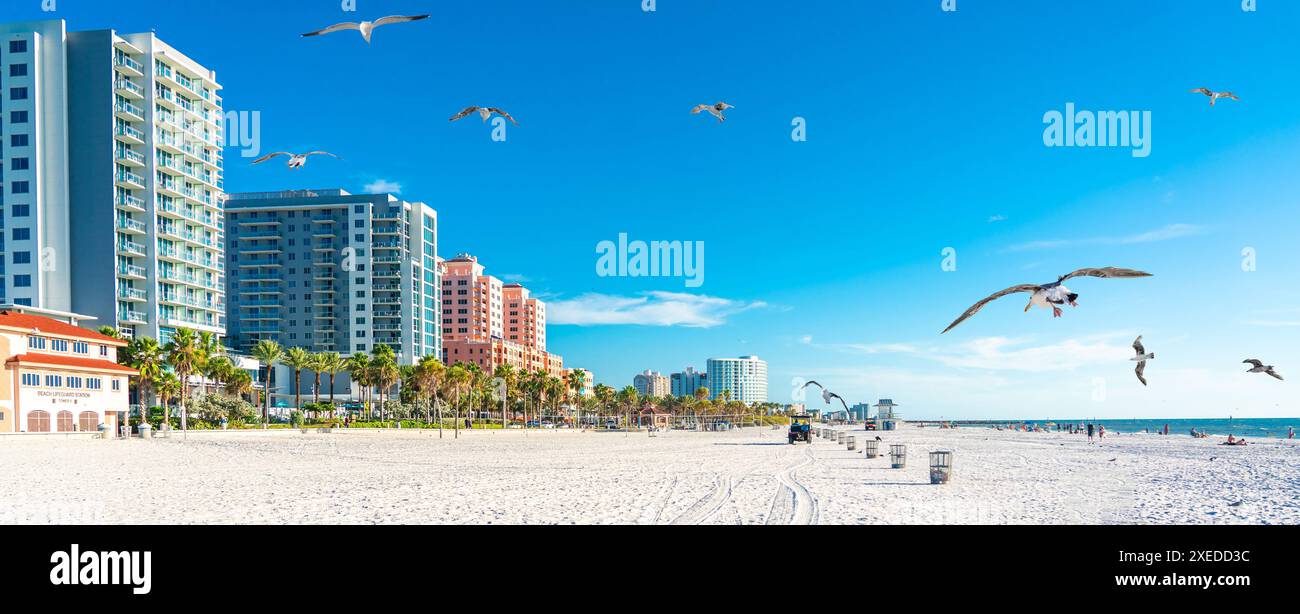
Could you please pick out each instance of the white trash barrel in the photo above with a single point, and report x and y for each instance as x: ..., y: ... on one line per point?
x: 842, y: 438
x: 852, y: 443
x: 146, y: 431
x: 898, y: 456
x: 871, y: 448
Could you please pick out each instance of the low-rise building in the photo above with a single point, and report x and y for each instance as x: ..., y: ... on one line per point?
x: 59, y: 377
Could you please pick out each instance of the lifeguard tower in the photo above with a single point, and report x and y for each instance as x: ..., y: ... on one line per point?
x: 887, y: 418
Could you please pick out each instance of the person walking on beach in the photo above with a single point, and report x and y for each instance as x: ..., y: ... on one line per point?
x: 1101, y: 432
x: 1090, y: 432
x: 1290, y: 432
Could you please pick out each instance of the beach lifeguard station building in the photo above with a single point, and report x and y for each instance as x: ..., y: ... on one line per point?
x: 58, y: 377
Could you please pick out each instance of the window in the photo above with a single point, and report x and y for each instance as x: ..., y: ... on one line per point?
x: 21, y: 187
x: 22, y: 257
x: 36, y: 343
x: 103, y: 350
x: 31, y: 379
x: 22, y: 234
x: 59, y: 345
x: 17, y: 70
x: 22, y: 210
x: 18, y: 117
x: 22, y: 281
x: 117, y: 385
x: 53, y: 381
x: 17, y: 46
x: 81, y: 347
x: 95, y: 383
x: 75, y: 383
x: 18, y: 140
x: 20, y: 164
x: 17, y: 93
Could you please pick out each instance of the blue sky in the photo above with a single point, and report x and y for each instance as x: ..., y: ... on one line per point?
x: 925, y: 131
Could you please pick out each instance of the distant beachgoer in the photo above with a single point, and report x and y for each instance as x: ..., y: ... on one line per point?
x: 1091, y: 432
x: 1166, y: 429
x: 1101, y: 432
x: 1232, y: 440
x: 1290, y: 433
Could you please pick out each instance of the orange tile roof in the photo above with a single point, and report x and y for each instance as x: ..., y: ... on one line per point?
x: 9, y: 319
x: 72, y: 361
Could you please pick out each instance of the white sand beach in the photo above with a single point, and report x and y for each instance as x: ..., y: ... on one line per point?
x: 557, y: 477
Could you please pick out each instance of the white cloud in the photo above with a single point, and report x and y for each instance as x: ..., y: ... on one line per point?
x: 383, y: 186
x: 1168, y: 233
x: 1005, y: 354
x: 648, y: 309
x: 997, y: 218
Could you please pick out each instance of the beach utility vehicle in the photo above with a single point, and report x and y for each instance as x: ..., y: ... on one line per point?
x: 800, y: 428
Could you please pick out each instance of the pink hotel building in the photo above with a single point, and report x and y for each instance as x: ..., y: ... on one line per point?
x: 488, y: 323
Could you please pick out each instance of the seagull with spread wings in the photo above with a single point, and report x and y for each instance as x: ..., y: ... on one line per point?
x: 296, y: 161
x: 1051, y: 295
x: 827, y: 395
x: 1142, y: 358
x: 715, y: 109
x: 1215, y: 96
x: 484, y: 112
x: 1260, y: 367
x: 367, y: 28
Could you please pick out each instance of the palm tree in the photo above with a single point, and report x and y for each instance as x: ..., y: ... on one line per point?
x: 576, y: 380
x: 297, y: 359
x: 169, y: 387
x: 428, y: 376
x: 109, y: 331
x: 186, y: 357
x: 209, y: 348
x: 628, y: 398
x: 332, y: 363
x: 509, y: 377
x: 385, y: 373
x: 457, y: 377
x: 605, y: 395
x: 268, y: 353
x: 145, y: 356
x: 239, y: 383
x: 358, y: 368
x: 316, y: 362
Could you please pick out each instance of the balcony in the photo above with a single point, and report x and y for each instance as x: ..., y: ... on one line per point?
x: 129, y: 66
x: 130, y: 248
x: 130, y: 203
x: 127, y: 88
x: 262, y: 262
x: 133, y: 295
x: 130, y: 226
x: 130, y: 271
x: 129, y: 157
x: 129, y: 134
x: 132, y: 317
x: 127, y: 179
x: 128, y: 111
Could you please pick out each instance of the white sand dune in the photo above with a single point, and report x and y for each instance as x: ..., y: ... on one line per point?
x: 745, y: 477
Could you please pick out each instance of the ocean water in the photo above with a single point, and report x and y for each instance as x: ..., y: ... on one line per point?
x: 1241, y: 427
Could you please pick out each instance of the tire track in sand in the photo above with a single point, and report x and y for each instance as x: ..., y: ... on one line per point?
x: 806, y: 510
x: 706, y: 508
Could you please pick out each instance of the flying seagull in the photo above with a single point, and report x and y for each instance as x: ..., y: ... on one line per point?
x: 1051, y: 295
x: 1214, y: 96
x: 826, y: 394
x: 367, y: 27
x: 485, y: 113
x: 1260, y: 367
x: 296, y: 161
x: 1142, y: 358
x: 715, y: 109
